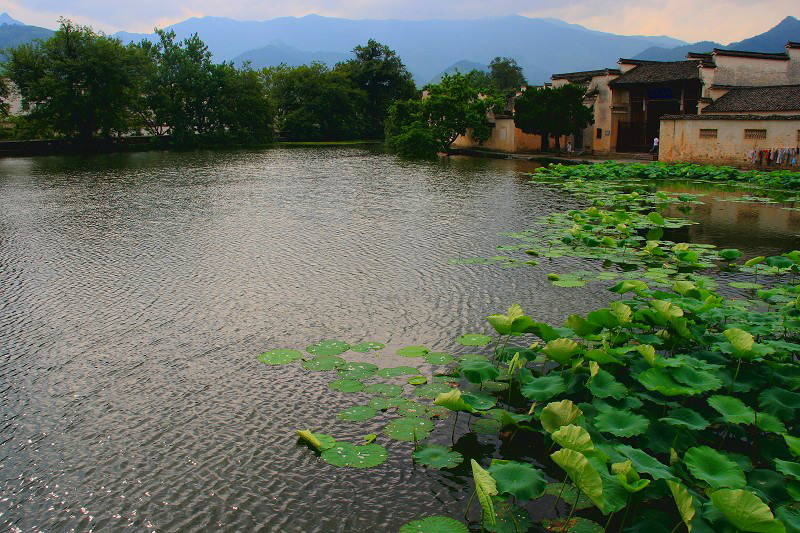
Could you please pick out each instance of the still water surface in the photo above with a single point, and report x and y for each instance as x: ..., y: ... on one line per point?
x: 136, y: 291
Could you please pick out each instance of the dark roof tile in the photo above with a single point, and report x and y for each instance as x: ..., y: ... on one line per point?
x: 731, y: 117
x: 659, y: 72
x: 782, y: 56
x: 584, y: 76
x: 744, y: 99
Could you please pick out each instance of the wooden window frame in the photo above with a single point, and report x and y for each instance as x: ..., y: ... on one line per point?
x: 755, y: 133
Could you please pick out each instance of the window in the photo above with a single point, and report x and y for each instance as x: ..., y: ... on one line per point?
x: 708, y: 133
x: 755, y: 134
x: 599, y: 133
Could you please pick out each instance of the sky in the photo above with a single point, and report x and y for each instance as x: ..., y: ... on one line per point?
x: 691, y: 20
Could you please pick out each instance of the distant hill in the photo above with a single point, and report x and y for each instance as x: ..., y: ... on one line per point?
x: 773, y: 40
x: 428, y: 47
x: 5, y: 18
x: 276, y: 53
x: 12, y: 35
x: 462, y: 67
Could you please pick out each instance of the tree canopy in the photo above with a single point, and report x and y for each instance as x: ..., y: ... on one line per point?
x: 549, y: 111
x: 506, y: 75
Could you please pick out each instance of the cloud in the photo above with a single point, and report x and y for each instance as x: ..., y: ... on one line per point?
x: 721, y: 20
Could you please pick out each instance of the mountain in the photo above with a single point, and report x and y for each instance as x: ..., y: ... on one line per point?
x: 12, y: 35
x: 277, y: 52
x: 540, y: 46
x: 773, y: 40
x: 5, y: 18
x: 462, y: 66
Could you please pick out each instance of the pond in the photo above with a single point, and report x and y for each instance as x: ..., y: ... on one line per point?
x: 138, y: 290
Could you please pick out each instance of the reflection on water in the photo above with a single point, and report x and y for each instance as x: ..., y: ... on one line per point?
x: 138, y: 288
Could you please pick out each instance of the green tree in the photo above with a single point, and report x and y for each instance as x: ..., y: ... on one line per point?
x: 378, y: 71
x: 315, y: 103
x: 507, y: 75
x: 446, y: 110
x: 78, y: 84
x: 547, y: 111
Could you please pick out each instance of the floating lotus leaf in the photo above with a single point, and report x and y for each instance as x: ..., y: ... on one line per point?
x: 324, y: 362
x: 346, y: 385
x: 683, y: 501
x: 369, y: 438
x: 788, y: 468
x: 508, y: 518
x: 408, y: 429
x: 569, y: 283
x: 730, y: 254
x: 544, y: 388
x: 413, y: 409
x: 381, y: 403
x: 520, y: 480
x: 357, y: 370
x: 446, y: 378
x: 435, y: 456
x: 384, y: 389
x: 708, y: 465
x: 574, y: 525
x: 603, y: 385
x: 397, y: 371
x: 434, y: 524
x: 357, y: 413
x: 318, y: 441
x: 561, y: 350
x: 435, y: 411
x: 346, y: 454
x: 431, y: 390
x: 755, y: 261
x: 573, y: 438
x: 657, y: 379
x: 733, y: 410
x: 454, y: 401
x: 645, y: 463
x: 685, y: 418
x: 557, y: 414
x: 479, y: 400
x: 478, y: 371
x: 360, y: 366
x: 363, y: 347
x: 474, y: 339
x: 486, y: 426
x: 328, y: 347
x: 621, y: 423
x: 473, y: 357
x: 746, y: 511
x: 485, y: 488
x: 494, y: 386
x: 280, y: 356
x: 412, y: 351
x: 582, y: 473
x: 779, y: 402
x: 439, y: 358
x: 417, y: 380
x: 745, y: 285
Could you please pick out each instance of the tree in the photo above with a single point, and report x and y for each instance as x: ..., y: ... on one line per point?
x: 381, y: 75
x: 78, y: 83
x: 507, y: 75
x: 315, y: 103
x: 549, y: 111
x: 447, y: 109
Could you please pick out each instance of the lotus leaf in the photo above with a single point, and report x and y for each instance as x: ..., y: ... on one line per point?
x: 363, y: 347
x: 779, y: 402
x: 573, y: 438
x: 413, y: 409
x: 746, y: 511
x: 741, y: 341
x: 480, y: 401
x: 431, y: 390
x: 409, y: 429
x: 417, y: 380
x: 745, y: 285
x: 582, y: 474
x: 520, y: 480
x: 486, y: 426
x: 397, y: 371
x: 323, y: 362
x: 628, y: 477
x: 439, y: 358
x: 514, y: 322
x: 474, y: 339
x: 685, y: 418
x: 622, y: 312
x: 328, y: 347
x: 435, y: 456
x: 561, y: 350
x: 569, y: 493
x: 569, y: 283
x: 621, y: 423
x: 793, y: 443
x: 318, y: 441
x: 280, y: 356
x: 485, y: 488
x: 788, y: 468
x: 357, y: 370
x: 346, y: 454
x: 707, y: 464
x: 603, y: 385
x: 346, y: 385
x: 648, y: 352
x: 730, y: 254
x: 384, y: 389
x: 357, y: 413
x: 544, y: 388
x: 733, y: 410
x: 557, y: 414
x: 434, y: 524
x: 412, y: 351
x: 645, y: 463
x: 683, y: 501
x: 478, y: 371
x: 656, y: 379
x: 573, y: 525
x: 770, y: 423
x: 453, y: 400
x: 381, y: 403
x: 755, y: 261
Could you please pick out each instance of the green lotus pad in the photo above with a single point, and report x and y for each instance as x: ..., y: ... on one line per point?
x: 413, y: 351
x: 345, y: 454
x: 408, y: 429
x: 474, y: 339
x: 357, y: 370
x: 413, y: 409
x: 363, y: 347
x: 520, y: 480
x: 346, y: 385
x: 328, y: 347
x: 397, y: 371
x: 323, y: 362
x: 318, y: 441
x: 439, y: 358
x: 436, y: 457
x: 434, y: 524
x: 280, y: 356
x: 621, y: 423
x: 357, y: 413
x: 382, y: 403
x: 417, y: 380
x: 431, y: 390
x: 384, y: 389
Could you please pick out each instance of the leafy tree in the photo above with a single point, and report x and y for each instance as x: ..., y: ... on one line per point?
x: 78, y: 83
x: 381, y: 75
x: 315, y: 103
x: 507, y: 75
x: 549, y: 111
x: 447, y: 109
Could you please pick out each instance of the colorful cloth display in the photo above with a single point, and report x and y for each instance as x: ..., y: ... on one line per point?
x: 775, y: 157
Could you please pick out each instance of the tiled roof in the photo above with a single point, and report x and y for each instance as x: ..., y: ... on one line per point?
x: 731, y: 117
x: 744, y: 99
x: 585, y: 75
x: 659, y: 72
x: 782, y: 56
x: 792, y: 44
